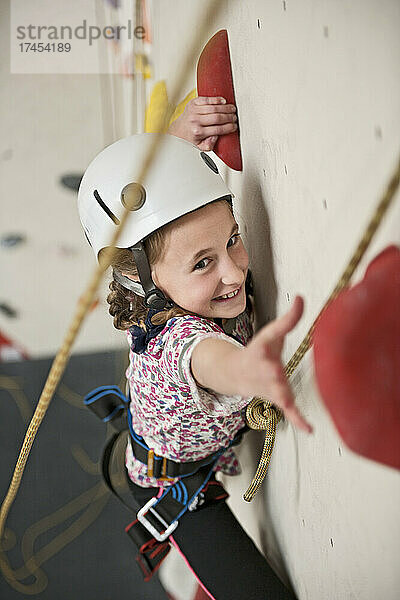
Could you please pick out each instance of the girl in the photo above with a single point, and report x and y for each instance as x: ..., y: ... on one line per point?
x: 181, y: 290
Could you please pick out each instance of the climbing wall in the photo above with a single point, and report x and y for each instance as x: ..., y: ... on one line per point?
x: 318, y: 94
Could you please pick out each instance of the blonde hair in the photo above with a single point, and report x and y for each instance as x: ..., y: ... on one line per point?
x: 126, y: 307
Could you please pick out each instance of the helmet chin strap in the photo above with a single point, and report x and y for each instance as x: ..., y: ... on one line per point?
x: 153, y: 297
x: 129, y: 284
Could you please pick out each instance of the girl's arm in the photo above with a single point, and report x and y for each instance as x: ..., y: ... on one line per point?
x: 255, y: 370
x: 203, y: 120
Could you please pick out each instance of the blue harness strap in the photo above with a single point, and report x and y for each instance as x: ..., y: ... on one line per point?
x: 109, y: 404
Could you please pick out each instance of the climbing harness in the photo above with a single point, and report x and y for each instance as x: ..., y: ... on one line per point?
x: 260, y: 413
x: 159, y: 517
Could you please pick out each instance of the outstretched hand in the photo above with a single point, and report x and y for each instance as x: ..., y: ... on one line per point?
x: 203, y: 120
x: 261, y: 368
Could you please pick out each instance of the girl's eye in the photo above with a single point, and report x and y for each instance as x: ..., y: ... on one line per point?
x: 202, y: 264
x: 233, y: 239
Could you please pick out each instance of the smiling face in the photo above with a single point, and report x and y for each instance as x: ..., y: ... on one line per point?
x: 204, y: 264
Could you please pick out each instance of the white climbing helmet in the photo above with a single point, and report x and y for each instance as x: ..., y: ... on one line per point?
x: 180, y: 179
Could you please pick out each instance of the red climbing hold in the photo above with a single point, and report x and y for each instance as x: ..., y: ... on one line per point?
x: 214, y: 78
x: 10, y: 351
x: 357, y: 361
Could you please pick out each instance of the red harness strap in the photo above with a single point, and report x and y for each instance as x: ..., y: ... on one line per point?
x: 151, y: 552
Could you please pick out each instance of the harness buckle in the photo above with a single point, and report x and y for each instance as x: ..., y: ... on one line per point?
x: 150, y: 467
x: 164, y: 476
x: 150, y: 463
x: 160, y: 536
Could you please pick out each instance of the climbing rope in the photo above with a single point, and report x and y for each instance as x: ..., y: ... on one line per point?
x: 260, y: 413
x: 60, y: 362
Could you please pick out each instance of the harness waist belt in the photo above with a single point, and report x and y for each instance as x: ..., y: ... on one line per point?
x: 161, y: 467
x: 111, y: 406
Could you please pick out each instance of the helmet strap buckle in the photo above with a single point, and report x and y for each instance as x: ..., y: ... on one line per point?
x: 154, y: 298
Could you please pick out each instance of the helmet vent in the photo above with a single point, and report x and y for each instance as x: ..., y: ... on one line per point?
x: 133, y: 196
x: 105, y: 207
x: 87, y: 238
x: 209, y: 162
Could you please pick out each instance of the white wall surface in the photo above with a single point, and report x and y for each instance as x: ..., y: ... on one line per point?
x: 318, y: 95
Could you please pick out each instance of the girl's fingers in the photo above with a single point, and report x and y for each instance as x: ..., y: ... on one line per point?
x: 282, y: 325
x: 282, y: 396
x: 217, y: 119
x: 209, y: 109
x: 208, y: 144
x: 293, y: 415
x: 204, y: 105
x: 218, y: 130
x: 201, y: 100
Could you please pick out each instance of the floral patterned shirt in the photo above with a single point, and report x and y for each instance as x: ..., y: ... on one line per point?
x: 176, y: 417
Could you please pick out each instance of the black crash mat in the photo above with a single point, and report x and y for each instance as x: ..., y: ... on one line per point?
x: 65, y: 532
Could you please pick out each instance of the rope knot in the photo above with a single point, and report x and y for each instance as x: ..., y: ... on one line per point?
x: 260, y: 414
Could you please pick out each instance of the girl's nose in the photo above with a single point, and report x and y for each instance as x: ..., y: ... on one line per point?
x: 231, y: 273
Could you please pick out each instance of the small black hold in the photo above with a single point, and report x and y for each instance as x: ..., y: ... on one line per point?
x: 303, y: 522
x: 332, y: 542
x: 258, y: 24
x: 284, y: 5
x: 264, y: 172
x: 340, y: 451
x: 288, y: 296
x: 286, y: 169
x: 71, y: 181
x: 11, y: 239
x: 8, y: 310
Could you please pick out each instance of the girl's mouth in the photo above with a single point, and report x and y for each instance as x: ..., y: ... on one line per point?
x: 227, y: 297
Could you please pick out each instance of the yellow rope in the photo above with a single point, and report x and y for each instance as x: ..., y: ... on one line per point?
x: 85, y: 302
x: 260, y: 413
